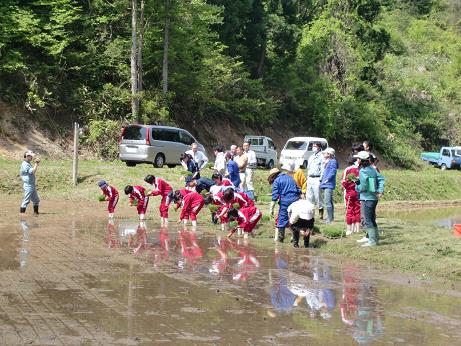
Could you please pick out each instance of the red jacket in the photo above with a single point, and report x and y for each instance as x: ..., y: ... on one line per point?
x: 110, y: 191
x: 138, y: 193
x: 247, y: 215
x: 190, y: 201
x: 162, y: 188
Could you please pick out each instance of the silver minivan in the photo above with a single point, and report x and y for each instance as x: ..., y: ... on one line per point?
x: 159, y: 145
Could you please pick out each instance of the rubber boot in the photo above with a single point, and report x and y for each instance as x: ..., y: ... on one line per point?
x: 372, y: 237
x: 22, y: 210
x: 306, y: 240
x: 281, y: 234
x: 36, y: 210
x: 321, y: 213
x: 349, y: 229
x: 295, y: 238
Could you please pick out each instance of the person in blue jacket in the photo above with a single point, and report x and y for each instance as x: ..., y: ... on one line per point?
x: 190, y: 165
x: 328, y: 182
x: 232, y: 169
x: 285, y: 191
x: 370, y: 186
x: 27, y: 174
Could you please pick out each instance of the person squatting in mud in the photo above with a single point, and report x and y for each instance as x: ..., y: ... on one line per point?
x: 138, y: 198
x: 110, y: 194
x: 191, y: 204
x: 247, y: 218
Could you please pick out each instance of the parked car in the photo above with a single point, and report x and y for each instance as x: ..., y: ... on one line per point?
x: 448, y: 157
x: 154, y: 144
x: 299, y: 149
x: 265, y: 150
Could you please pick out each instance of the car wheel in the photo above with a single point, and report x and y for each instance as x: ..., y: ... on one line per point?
x: 130, y: 164
x: 270, y: 164
x: 443, y: 167
x: 159, y: 161
x: 304, y: 165
x: 171, y: 166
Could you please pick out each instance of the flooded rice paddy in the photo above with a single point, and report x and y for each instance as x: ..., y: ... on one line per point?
x: 74, y: 278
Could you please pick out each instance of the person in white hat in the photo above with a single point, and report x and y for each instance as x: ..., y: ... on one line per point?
x: 27, y: 174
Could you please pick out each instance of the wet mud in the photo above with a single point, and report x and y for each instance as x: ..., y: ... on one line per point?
x: 74, y: 278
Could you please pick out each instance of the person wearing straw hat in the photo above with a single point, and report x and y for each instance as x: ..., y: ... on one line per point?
x: 370, y: 186
x: 284, y: 190
x: 27, y: 174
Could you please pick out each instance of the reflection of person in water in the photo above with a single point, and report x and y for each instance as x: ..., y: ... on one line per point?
x: 111, y: 237
x: 282, y: 298
x: 25, y: 238
x: 321, y: 301
x: 162, y: 253
x: 190, y: 250
x: 348, y: 306
x: 141, y: 238
x: 219, y: 265
x: 368, y: 325
x: 247, y: 264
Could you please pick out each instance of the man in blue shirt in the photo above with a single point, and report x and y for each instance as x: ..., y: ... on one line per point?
x: 27, y: 174
x: 232, y: 170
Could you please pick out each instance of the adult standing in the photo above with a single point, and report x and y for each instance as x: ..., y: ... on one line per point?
x: 328, y: 181
x: 232, y: 170
x: 285, y: 192
x: 314, y: 171
x: 198, y: 156
x: 220, y: 162
x: 368, y: 147
x: 242, y: 161
x: 27, y: 173
x: 252, y: 164
x: 370, y: 186
x: 233, y: 149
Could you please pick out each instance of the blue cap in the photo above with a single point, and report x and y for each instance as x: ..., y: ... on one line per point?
x: 102, y: 183
x: 188, y: 180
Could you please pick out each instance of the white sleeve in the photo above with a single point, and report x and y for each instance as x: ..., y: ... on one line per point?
x: 255, y: 216
x: 204, y: 160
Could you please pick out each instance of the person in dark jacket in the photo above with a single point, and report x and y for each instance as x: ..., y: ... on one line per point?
x: 190, y: 165
x: 232, y: 170
x: 328, y: 181
x: 285, y: 191
x: 200, y: 184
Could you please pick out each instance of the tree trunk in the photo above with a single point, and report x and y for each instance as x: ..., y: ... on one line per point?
x: 140, y: 47
x: 134, y: 69
x: 166, y: 41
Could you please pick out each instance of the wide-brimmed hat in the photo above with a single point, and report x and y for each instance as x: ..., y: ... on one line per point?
x: 363, y: 155
x: 273, y: 174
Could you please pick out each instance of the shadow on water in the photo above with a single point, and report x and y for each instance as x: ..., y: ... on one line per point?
x: 124, y: 282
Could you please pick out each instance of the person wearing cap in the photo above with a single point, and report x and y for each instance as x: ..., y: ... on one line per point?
x: 328, y: 181
x: 297, y: 174
x: 285, y: 191
x: 27, y: 174
x: 111, y: 195
x: 232, y: 170
x: 370, y: 186
x: 199, y: 157
x: 314, y: 171
x: 160, y: 188
x: 251, y: 166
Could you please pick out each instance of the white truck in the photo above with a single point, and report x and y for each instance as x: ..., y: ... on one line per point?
x: 265, y: 150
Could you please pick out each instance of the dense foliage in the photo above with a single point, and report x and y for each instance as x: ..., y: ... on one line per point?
x: 387, y: 70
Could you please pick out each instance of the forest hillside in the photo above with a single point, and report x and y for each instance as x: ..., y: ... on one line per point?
x: 384, y: 70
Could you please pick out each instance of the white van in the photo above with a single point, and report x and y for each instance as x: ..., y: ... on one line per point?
x: 299, y: 149
x: 265, y: 150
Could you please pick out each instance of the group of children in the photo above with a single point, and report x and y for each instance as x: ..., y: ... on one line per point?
x: 228, y: 203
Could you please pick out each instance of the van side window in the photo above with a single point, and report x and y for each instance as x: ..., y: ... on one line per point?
x: 271, y: 144
x: 134, y: 133
x: 324, y: 145
x: 185, y: 138
x: 261, y: 141
x: 445, y: 152
x: 309, y: 147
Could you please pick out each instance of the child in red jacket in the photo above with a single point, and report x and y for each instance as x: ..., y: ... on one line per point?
x: 191, y: 204
x: 247, y: 219
x: 111, y: 195
x: 138, y: 193
x: 351, y: 196
x: 161, y: 188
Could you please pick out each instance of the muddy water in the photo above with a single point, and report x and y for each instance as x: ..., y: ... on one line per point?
x: 439, y: 216
x: 73, y: 279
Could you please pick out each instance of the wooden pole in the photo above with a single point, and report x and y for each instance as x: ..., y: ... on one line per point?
x: 75, y: 161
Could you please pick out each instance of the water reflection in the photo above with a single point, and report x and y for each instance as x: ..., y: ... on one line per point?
x: 247, y: 263
x: 190, y: 251
x: 360, y: 307
x: 23, y: 253
x: 321, y: 300
x: 220, y: 262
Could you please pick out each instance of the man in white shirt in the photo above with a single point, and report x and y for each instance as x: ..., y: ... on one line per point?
x: 198, y: 156
x: 247, y: 183
x: 220, y: 161
x: 314, y: 172
x: 301, y: 215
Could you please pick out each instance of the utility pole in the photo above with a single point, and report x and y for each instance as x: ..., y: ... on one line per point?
x: 75, y: 156
x: 134, y: 63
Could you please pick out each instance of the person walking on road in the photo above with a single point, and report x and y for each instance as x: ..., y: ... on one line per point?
x: 27, y: 174
x: 314, y: 171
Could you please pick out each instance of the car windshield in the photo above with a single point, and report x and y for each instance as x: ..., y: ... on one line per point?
x: 296, y: 145
x: 456, y: 152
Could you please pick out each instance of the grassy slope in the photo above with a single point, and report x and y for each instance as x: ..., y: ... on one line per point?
x: 407, y: 244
